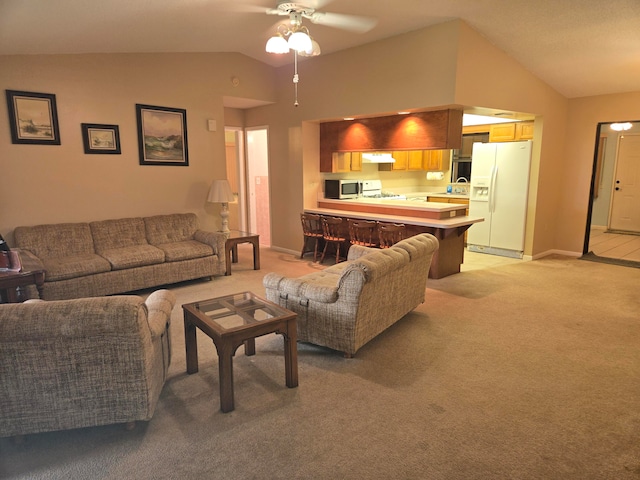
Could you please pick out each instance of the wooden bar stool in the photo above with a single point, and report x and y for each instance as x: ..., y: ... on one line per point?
x: 363, y: 232
x: 390, y: 233
x: 334, y: 233
x: 312, y: 233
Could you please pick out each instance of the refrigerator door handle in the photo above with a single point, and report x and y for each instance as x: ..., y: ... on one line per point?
x: 492, y: 188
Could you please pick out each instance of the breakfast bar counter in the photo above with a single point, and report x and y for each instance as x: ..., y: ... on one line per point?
x: 446, y: 221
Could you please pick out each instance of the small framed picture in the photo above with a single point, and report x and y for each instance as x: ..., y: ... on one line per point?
x: 33, y: 118
x: 162, y: 135
x: 101, y: 139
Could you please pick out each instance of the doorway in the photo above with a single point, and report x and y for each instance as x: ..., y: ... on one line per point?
x: 257, y: 181
x: 613, y: 220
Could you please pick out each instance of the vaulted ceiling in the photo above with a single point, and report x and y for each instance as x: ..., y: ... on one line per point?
x: 579, y: 47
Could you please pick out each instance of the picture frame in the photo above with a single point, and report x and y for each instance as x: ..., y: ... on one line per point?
x: 162, y: 135
x: 33, y: 118
x: 100, y: 139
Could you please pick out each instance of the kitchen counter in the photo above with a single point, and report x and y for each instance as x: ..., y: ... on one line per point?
x: 446, y: 221
x: 447, y: 195
x: 408, y: 208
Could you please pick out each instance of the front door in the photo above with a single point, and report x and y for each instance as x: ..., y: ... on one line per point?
x: 625, y: 206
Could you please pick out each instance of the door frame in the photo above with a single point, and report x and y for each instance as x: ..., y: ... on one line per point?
x: 594, y: 176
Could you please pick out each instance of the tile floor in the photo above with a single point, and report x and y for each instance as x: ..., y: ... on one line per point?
x: 615, y: 245
x: 478, y: 261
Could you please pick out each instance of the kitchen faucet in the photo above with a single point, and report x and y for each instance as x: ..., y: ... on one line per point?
x: 461, y: 180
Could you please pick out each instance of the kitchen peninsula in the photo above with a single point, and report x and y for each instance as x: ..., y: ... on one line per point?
x: 446, y: 221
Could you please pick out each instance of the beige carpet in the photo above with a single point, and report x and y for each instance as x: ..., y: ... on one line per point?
x: 523, y: 371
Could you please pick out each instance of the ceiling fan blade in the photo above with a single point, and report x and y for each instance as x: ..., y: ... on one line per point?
x: 241, y: 7
x: 355, y: 23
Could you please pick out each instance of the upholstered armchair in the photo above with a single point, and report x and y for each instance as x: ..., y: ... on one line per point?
x: 84, y: 362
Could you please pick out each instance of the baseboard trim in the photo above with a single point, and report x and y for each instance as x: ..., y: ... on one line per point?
x: 285, y: 250
x: 566, y: 253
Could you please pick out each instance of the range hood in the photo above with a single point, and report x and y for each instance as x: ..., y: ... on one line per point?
x: 377, y: 158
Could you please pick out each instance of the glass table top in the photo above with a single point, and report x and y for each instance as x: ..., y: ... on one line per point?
x: 238, y: 310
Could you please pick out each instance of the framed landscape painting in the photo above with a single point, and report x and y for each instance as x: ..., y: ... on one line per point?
x: 101, y: 139
x: 162, y: 135
x: 33, y: 118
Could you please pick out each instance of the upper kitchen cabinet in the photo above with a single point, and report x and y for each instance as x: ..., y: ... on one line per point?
x: 404, y: 160
x: 435, y: 130
x: 430, y: 160
x: 346, y: 162
x: 436, y: 160
x: 510, y: 132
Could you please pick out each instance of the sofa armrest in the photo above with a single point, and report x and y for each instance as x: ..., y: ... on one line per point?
x: 159, y: 306
x: 29, y: 260
x: 357, y: 251
x: 323, y: 289
x: 215, y: 239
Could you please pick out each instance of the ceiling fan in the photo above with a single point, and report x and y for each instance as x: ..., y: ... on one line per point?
x: 297, y: 38
x: 295, y: 10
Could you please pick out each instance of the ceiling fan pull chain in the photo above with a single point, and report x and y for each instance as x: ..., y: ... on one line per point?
x: 295, y: 76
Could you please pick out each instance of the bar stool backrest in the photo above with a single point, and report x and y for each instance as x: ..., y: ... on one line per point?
x: 391, y: 233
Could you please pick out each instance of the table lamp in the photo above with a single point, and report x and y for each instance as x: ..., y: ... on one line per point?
x: 220, y: 192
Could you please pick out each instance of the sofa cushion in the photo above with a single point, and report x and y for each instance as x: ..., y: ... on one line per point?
x: 63, y: 268
x: 116, y: 234
x: 186, y: 250
x: 59, y: 240
x: 134, y: 256
x: 177, y: 227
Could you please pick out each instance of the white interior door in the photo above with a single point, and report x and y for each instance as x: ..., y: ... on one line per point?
x: 236, y: 174
x: 257, y: 151
x: 625, y: 202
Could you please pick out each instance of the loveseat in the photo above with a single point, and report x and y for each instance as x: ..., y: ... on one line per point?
x: 346, y: 305
x: 122, y: 255
x: 83, y: 362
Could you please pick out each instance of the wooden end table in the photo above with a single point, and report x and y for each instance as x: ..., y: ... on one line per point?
x: 11, y: 281
x: 236, y: 237
x: 234, y: 320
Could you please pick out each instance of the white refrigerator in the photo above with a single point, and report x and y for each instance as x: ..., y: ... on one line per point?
x: 499, y: 189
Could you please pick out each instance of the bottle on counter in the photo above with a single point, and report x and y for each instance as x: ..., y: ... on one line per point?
x: 4, y: 247
x: 449, y: 188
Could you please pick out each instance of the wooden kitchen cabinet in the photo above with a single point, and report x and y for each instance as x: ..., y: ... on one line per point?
x: 401, y: 158
x: 346, y: 162
x: 511, y: 132
x: 524, y: 130
x: 429, y: 160
x: 356, y: 161
x: 415, y: 160
x: 436, y: 160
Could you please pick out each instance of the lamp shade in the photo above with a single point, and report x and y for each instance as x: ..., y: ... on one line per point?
x: 220, y: 192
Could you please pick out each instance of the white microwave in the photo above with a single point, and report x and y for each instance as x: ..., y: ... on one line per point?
x: 342, y: 189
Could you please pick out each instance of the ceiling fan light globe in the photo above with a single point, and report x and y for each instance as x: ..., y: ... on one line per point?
x: 300, y: 41
x: 277, y: 44
x: 314, y: 51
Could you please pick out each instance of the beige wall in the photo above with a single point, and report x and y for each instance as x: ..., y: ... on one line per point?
x: 49, y: 184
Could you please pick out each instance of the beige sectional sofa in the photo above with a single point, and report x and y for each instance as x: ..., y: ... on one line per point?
x: 121, y: 255
x: 346, y: 305
x: 82, y: 362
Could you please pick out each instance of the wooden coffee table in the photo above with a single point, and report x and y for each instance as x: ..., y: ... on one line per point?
x: 234, y: 320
